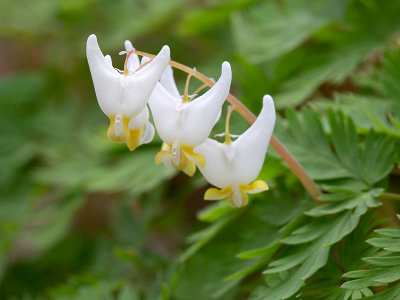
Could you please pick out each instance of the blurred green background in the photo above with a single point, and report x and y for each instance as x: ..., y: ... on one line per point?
x: 83, y: 218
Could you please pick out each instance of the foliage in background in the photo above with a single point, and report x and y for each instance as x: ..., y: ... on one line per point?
x: 82, y: 218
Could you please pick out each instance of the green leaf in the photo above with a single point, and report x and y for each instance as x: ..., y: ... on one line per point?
x: 128, y: 293
x: 385, y: 268
x: 376, y: 158
x: 200, y: 238
x: 367, y: 292
x: 361, y: 201
x: 204, y: 20
x: 386, y: 261
x: 259, y: 252
x: 248, y: 270
x: 308, y: 232
x: 308, y: 142
x: 344, y: 224
x: 334, y: 197
x: 214, y: 212
x: 388, y: 275
x: 290, y: 261
x: 390, y: 294
x: 214, y: 272
x: 361, y: 273
x: 134, y: 173
x: 332, y: 67
x: 288, y: 287
x: 384, y: 242
x: 263, y: 40
x: 380, y: 275
x: 389, y: 232
x: 344, y: 138
x: 358, y: 284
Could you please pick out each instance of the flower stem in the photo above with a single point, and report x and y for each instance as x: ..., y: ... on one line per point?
x: 128, y: 54
x: 186, y: 92
x: 203, y: 86
x: 390, y: 196
x: 291, y: 161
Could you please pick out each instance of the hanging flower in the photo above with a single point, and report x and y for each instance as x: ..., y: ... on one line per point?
x: 123, y: 95
x: 183, y: 123
x: 232, y: 166
x: 141, y: 130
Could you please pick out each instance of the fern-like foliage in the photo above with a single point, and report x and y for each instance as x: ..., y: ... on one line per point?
x: 383, y: 267
x: 350, y: 172
x: 378, y: 110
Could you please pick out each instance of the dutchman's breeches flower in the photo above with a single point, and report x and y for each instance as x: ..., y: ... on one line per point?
x: 184, y: 124
x: 123, y: 95
x: 233, y: 166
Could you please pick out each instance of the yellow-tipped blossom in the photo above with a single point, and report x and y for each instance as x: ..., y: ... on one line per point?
x: 184, y: 124
x: 123, y: 95
x: 233, y: 166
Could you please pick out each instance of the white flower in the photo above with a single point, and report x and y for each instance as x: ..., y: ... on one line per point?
x: 184, y: 124
x: 123, y: 96
x: 141, y: 130
x: 233, y: 166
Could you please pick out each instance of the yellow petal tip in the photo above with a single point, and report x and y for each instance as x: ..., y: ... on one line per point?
x: 190, y: 169
x: 161, y: 157
x: 217, y: 194
x: 257, y: 186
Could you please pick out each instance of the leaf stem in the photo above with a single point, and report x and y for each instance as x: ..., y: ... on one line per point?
x: 291, y: 161
x: 390, y: 196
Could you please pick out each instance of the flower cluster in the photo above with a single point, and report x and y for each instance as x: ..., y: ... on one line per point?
x: 183, y: 122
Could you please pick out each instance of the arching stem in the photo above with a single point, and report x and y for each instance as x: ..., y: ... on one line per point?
x: 291, y: 161
x: 203, y: 86
x: 128, y: 54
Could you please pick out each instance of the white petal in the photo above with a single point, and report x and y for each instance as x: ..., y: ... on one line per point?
x: 139, y: 86
x: 168, y: 82
x: 128, y: 45
x: 229, y: 153
x: 144, y: 60
x: 140, y: 120
x: 201, y: 114
x: 108, y: 59
x: 133, y: 62
x: 166, y: 117
x: 167, y: 78
x: 240, y: 162
x: 237, y: 197
x: 250, y: 148
x: 219, y: 169
x: 218, y: 116
x: 148, y: 134
x: 106, y: 80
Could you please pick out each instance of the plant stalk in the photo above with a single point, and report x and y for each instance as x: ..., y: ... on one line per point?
x: 291, y: 161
